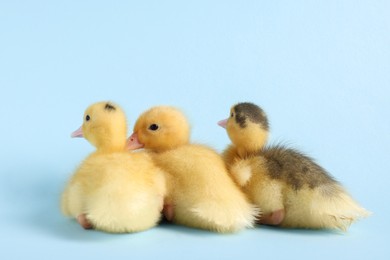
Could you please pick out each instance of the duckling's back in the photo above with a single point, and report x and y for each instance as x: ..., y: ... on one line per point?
x: 294, y: 168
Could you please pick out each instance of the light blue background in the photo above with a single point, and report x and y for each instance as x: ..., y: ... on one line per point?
x: 320, y: 69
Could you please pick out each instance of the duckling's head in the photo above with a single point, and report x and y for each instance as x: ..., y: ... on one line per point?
x: 104, y: 126
x: 160, y: 128
x: 247, y: 127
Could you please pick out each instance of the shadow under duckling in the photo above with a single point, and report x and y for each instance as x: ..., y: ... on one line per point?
x: 113, y: 190
x: 288, y: 186
x: 201, y: 193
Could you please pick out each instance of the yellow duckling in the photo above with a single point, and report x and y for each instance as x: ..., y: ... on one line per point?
x: 201, y: 193
x: 289, y: 187
x: 113, y: 190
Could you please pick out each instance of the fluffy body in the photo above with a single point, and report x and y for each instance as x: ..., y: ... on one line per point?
x: 118, y: 192
x: 280, y: 179
x: 113, y: 190
x: 199, y: 188
x: 201, y: 192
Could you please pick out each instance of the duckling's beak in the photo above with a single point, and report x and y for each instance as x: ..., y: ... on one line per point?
x: 133, y: 142
x: 78, y: 133
x: 223, y: 123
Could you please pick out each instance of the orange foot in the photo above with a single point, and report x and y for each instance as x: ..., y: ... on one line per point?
x: 273, y: 218
x: 168, y: 212
x: 84, y: 222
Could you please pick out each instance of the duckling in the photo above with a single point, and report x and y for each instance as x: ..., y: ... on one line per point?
x: 289, y: 187
x: 200, y: 192
x: 113, y: 190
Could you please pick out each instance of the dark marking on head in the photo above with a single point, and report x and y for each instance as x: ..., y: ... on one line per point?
x: 249, y: 111
x: 109, y: 107
x: 295, y: 168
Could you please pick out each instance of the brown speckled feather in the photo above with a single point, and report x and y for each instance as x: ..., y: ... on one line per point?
x: 294, y: 168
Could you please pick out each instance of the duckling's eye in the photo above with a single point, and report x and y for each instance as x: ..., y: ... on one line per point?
x: 87, y: 118
x: 153, y: 127
x: 232, y: 114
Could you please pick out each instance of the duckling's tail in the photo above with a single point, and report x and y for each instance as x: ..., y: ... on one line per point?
x: 227, y: 219
x: 324, y: 207
x: 337, y: 208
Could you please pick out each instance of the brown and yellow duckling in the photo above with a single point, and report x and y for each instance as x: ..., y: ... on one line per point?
x: 288, y: 186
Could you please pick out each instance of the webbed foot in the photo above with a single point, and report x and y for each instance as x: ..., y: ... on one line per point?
x: 274, y: 218
x: 84, y: 222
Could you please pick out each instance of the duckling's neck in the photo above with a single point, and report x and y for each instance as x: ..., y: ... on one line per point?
x: 163, y: 149
x: 111, y: 148
x: 251, y: 143
x: 248, y: 150
x: 242, y: 152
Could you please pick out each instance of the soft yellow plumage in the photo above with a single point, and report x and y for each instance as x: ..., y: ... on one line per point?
x: 289, y: 187
x: 113, y: 190
x: 200, y: 192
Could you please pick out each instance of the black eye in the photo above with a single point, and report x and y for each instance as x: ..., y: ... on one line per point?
x: 232, y: 114
x: 153, y: 127
x: 87, y: 117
